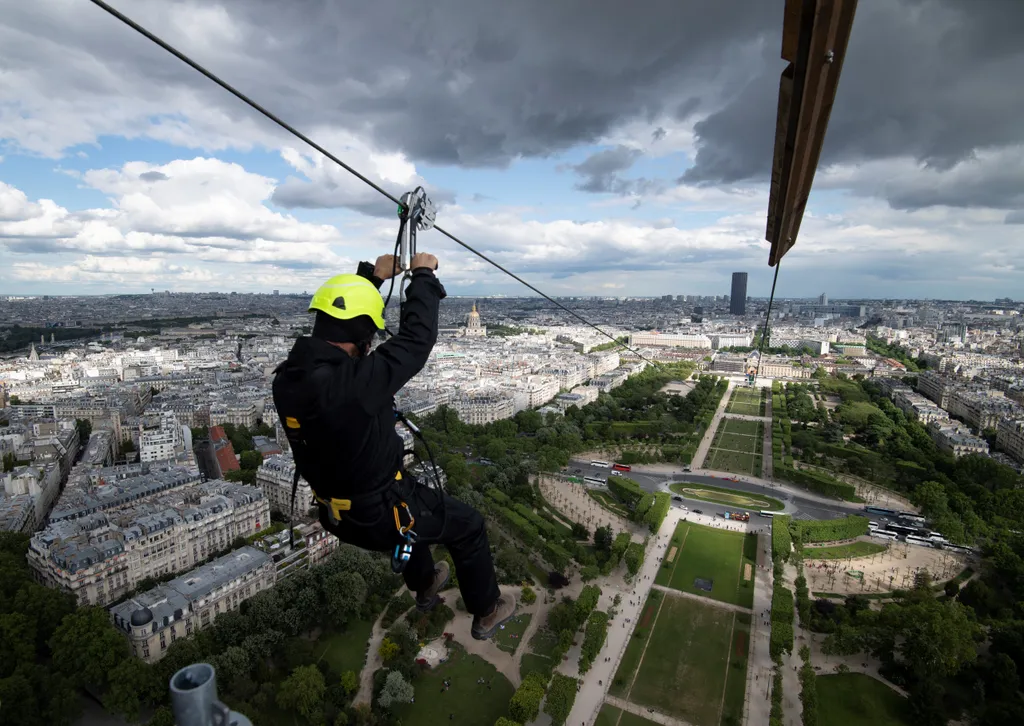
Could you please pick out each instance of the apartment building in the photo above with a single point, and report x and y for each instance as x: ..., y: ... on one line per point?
x: 936, y: 387
x: 675, y: 340
x: 1010, y: 437
x: 274, y: 477
x: 28, y: 493
x: 101, y: 556
x: 484, y: 407
x: 156, y: 618
x: 956, y: 438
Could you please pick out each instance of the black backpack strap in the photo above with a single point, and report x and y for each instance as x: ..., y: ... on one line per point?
x: 291, y: 512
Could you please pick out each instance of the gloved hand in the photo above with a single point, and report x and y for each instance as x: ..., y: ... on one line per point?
x: 424, y: 259
x: 386, y: 267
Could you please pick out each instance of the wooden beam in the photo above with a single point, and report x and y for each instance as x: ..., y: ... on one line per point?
x: 814, y: 39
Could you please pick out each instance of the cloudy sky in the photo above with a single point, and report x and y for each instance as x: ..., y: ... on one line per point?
x: 596, y: 147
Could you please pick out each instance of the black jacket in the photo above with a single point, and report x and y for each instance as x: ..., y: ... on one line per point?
x: 346, y: 444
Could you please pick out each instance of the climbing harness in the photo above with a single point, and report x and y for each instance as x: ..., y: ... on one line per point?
x: 403, y: 551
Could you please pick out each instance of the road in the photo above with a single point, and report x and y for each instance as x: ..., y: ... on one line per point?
x: 798, y: 506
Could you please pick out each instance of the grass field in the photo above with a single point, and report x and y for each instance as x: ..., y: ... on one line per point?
x: 623, y: 680
x: 611, y: 716
x: 509, y: 637
x: 532, y: 662
x: 470, y: 702
x: 842, y: 552
x: 746, y: 401
x: 855, y: 699
x: 683, y: 672
x: 739, y: 426
x: 730, y: 497
x: 713, y: 554
x: 736, y: 678
x: 737, y: 447
x: 347, y: 651
x: 735, y: 462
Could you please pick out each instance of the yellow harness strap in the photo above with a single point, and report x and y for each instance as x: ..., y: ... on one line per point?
x: 337, y: 506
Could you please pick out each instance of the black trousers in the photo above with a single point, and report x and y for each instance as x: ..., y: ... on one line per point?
x: 440, y: 519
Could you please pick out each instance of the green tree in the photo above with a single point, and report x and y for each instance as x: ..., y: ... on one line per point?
x: 506, y: 722
x: 303, y: 691
x: 396, y: 690
x: 127, y: 446
x: 133, y: 685
x: 525, y: 703
x: 251, y: 460
x: 84, y: 427
x: 388, y: 649
x: 590, y: 572
x: 346, y: 593
x: 86, y: 648
x: 528, y: 596
x: 561, y: 697
x: 350, y: 682
x: 603, y: 538
x: 164, y: 716
x: 17, y: 642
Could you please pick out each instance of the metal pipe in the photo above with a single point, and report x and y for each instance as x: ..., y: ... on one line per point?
x: 194, y: 699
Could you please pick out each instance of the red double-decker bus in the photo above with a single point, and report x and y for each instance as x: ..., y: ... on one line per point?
x: 621, y: 467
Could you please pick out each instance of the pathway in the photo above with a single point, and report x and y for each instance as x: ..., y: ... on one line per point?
x: 373, y: 659
x: 648, y: 713
x: 767, y: 460
x: 709, y: 435
x: 747, y: 417
x: 758, y: 705
x: 792, y: 708
x: 506, y: 663
x: 705, y: 600
x: 596, y: 682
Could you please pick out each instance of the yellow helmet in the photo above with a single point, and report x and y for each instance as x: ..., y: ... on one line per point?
x: 348, y: 296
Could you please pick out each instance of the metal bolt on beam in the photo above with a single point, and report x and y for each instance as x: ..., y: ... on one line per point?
x: 194, y: 699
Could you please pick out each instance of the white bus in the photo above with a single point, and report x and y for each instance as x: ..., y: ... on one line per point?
x: 883, y: 534
x: 913, y: 519
x: 766, y: 513
x: 919, y: 540
x: 872, y: 526
x: 595, y: 481
x: 602, y: 464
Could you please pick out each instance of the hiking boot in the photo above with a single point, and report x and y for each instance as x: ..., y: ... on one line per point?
x: 427, y: 599
x: 484, y: 627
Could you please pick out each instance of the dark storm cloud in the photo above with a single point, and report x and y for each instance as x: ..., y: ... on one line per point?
x: 476, y: 83
x: 153, y: 176
x: 299, y: 193
x: 936, y: 80
x: 448, y: 82
x: 600, y: 173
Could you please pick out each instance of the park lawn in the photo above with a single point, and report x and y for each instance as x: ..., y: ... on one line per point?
x: 737, y: 442
x: 713, y: 554
x: 683, y: 672
x: 855, y: 699
x: 533, y: 663
x: 732, y: 461
x: 638, y: 640
x: 611, y: 716
x: 543, y: 642
x: 736, y: 678
x: 844, y: 551
x: 510, y: 635
x: 731, y: 497
x: 739, y: 426
x: 346, y: 651
x: 471, y: 703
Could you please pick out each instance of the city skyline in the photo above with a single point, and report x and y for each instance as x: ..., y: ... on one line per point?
x: 125, y: 170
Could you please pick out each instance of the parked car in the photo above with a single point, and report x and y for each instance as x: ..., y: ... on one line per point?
x: 698, y: 511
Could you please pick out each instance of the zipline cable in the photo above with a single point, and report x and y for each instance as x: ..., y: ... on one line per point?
x: 298, y: 134
x: 767, y: 317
